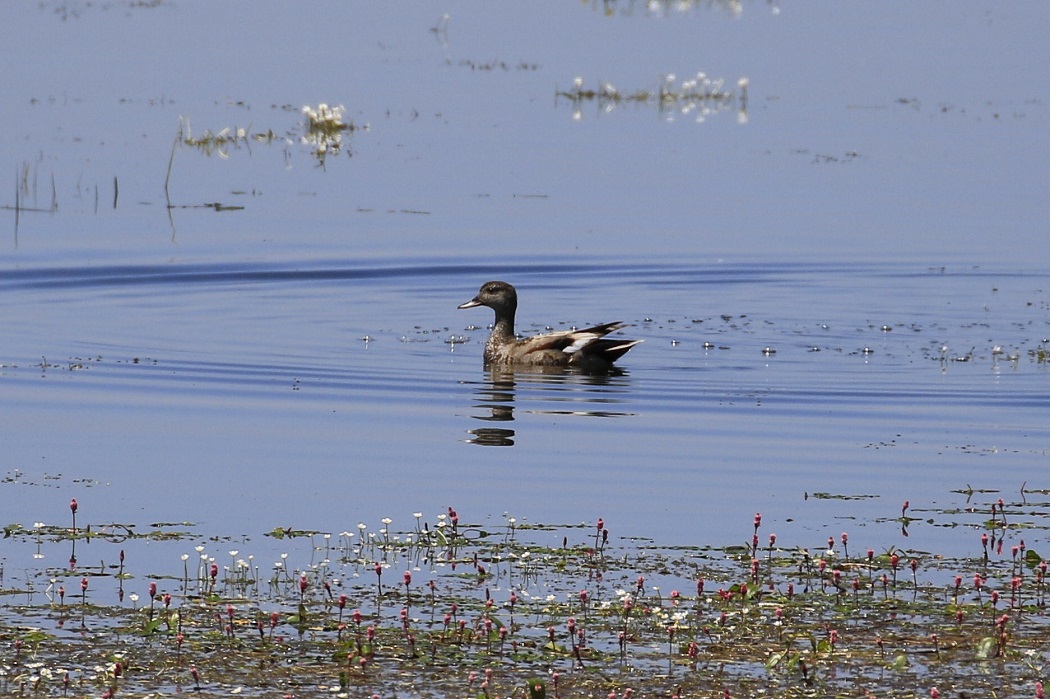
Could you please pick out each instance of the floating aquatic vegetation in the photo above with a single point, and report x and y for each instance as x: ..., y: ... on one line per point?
x: 220, y: 142
x: 698, y: 97
x: 665, y: 8
x: 324, y: 130
x: 496, y: 64
x: 454, y: 608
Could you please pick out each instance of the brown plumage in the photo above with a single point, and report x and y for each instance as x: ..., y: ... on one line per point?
x: 587, y: 348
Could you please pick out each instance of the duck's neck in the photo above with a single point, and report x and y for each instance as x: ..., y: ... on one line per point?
x: 503, y: 327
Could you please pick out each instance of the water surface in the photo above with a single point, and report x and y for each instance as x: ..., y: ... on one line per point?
x: 831, y: 276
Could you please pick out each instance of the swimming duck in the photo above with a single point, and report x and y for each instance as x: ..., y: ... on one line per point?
x: 584, y: 348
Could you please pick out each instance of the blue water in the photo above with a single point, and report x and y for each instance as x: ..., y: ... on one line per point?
x: 872, y: 213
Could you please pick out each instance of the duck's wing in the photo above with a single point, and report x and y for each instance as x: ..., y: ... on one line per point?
x: 609, y: 350
x: 588, y: 346
x: 569, y: 341
x: 586, y: 340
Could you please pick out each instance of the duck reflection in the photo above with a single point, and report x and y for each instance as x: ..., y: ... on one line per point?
x: 541, y: 390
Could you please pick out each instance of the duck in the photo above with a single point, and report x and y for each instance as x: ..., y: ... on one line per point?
x: 587, y: 349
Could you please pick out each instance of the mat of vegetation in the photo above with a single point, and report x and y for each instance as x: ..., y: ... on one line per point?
x: 455, y: 609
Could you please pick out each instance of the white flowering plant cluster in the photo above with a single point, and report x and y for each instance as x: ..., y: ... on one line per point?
x: 325, y: 119
x: 324, y: 129
x: 701, y: 95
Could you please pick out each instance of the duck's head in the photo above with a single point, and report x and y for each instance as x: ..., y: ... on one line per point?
x: 499, y: 296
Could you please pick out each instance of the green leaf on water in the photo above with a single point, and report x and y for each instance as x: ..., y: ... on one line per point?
x: 537, y: 689
x: 987, y: 647
x: 775, y: 659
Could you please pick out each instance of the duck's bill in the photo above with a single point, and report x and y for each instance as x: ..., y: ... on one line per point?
x: 470, y: 304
